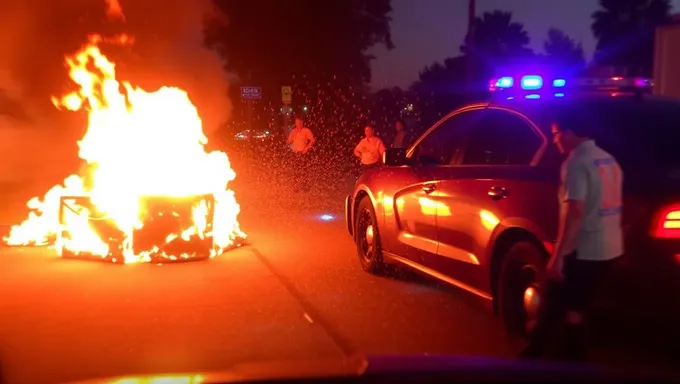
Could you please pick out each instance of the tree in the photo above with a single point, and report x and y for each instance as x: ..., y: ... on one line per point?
x: 441, y: 87
x: 497, y: 39
x: 443, y: 77
x: 625, y: 32
x: 299, y: 42
x: 386, y: 106
x: 563, y: 50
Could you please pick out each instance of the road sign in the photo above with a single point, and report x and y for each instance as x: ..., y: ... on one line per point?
x: 254, y: 93
x: 287, y: 94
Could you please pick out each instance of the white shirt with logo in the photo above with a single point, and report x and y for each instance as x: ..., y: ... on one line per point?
x: 371, y: 150
x: 300, y: 138
x: 593, y: 176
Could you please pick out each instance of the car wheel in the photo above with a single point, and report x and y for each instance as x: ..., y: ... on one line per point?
x: 520, y: 287
x: 367, y: 238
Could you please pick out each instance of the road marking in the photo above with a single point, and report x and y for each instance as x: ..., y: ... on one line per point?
x: 308, y: 318
x: 344, y: 346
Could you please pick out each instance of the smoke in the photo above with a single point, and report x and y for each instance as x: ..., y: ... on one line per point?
x: 169, y: 51
x: 35, y: 35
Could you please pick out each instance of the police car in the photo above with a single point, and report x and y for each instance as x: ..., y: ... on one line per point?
x: 473, y: 202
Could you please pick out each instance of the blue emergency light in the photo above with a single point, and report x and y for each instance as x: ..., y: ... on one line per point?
x: 532, y: 82
x: 504, y: 82
x: 559, y: 83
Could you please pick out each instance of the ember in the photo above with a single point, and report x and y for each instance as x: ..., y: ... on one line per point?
x: 150, y: 190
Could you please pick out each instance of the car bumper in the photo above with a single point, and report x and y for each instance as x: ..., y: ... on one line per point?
x: 348, y: 215
x: 648, y: 279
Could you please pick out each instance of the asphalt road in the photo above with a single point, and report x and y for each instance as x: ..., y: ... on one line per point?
x: 295, y: 293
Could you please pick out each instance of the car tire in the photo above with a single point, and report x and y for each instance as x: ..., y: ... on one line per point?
x: 367, y: 238
x: 520, y: 287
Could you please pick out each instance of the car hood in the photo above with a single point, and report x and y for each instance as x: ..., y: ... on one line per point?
x: 466, y: 366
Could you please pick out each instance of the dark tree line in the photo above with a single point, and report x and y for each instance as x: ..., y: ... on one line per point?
x: 321, y: 49
x: 624, y: 30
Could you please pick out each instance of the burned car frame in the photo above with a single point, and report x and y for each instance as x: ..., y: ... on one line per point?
x: 167, y: 229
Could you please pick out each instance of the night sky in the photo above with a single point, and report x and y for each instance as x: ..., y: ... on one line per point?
x: 425, y: 31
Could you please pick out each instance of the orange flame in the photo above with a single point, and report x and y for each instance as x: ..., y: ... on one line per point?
x: 137, y: 144
x: 114, y: 10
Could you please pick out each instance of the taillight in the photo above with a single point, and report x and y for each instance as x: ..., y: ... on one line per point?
x: 666, y: 224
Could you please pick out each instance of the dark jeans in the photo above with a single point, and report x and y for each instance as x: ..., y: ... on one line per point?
x: 576, y: 293
x: 365, y: 167
x: 301, y: 169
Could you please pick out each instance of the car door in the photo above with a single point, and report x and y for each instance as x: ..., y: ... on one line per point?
x: 491, y: 182
x: 414, y: 206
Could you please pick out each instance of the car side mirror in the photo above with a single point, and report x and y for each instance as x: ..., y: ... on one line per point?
x: 394, y: 157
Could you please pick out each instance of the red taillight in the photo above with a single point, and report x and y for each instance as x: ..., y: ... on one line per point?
x: 666, y: 224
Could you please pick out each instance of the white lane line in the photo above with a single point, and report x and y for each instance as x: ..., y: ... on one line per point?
x: 308, y: 318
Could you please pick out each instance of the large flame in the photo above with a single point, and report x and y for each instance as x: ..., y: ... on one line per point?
x: 137, y: 144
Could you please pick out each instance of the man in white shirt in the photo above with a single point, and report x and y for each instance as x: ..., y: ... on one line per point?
x: 370, y: 149
x: 301, y: 141
x: 589, y: 240
x: 300, y: 138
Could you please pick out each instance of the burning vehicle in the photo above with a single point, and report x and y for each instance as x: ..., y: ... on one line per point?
x: 150, y: 190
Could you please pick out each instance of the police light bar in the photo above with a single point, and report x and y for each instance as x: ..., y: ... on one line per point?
x: 614, y: 83
x: 526, y: 83
x: 533, y: 86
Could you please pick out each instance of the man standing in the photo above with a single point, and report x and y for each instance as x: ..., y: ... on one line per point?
x: 589, y: 239
x: 401, y: 137
x: 370, y: 149
x: 301, y: 141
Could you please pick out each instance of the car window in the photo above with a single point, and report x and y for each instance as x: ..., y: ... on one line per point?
x: 441, y: 146
x: 502, y: 138
x: 525, y: 140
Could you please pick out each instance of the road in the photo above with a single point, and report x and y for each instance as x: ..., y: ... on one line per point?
x: 295, y: 293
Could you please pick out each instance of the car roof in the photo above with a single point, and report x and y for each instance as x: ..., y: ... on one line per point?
x: 534, y: 109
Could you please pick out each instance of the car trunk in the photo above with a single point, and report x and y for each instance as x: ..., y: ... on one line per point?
x: 649, y: 274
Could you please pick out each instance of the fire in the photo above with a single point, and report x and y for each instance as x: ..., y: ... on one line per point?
x: 114, y: 10
x: 146, y: 163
